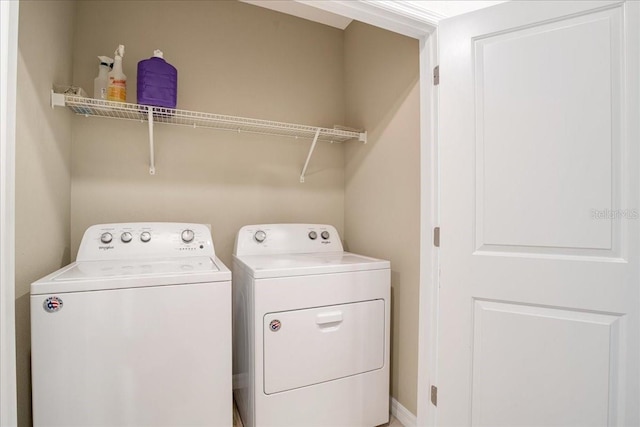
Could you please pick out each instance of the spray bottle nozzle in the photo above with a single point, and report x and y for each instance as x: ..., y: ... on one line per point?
x: 106, y: 61
x: 120, y: 51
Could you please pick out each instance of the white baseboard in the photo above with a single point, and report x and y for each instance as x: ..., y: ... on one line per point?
x: 402, y: 414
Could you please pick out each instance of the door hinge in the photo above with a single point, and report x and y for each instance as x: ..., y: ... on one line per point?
x: 436, y: 237
x: 434, y: 395
x: 436, y: 75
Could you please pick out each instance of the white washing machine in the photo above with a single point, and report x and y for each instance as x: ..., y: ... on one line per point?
x: 136, y: 332
x: 311, y: 329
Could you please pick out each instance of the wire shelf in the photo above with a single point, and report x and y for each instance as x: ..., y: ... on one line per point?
x: 127, y: 111
x: 153, y: 115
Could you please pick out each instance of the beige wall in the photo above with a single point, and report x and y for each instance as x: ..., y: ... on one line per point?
x: 232, y: 58
x: 382, y: 179
x: 43, y: 164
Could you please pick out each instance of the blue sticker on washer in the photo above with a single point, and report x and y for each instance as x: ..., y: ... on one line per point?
x: 52, y: 304
x: 275, y: 325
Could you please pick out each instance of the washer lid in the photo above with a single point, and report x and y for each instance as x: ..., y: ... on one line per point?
x: 119, y: 274
x: 285, y: 265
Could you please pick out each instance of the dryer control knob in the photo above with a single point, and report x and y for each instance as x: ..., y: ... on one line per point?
x: 325, y: 235
x: 260, y: 236
x: 187, y: 236
x: 145, y: 236
x: 126, y: 237
x: 313, y: 235
x: 106, y: 238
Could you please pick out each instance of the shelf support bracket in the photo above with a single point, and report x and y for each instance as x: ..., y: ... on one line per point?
x: 152, y: 164
x: 57, y: 99
x: 363, y: 137
x: 313, y: 147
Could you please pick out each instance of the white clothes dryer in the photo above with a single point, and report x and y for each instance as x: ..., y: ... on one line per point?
x: 311, y: 329
x: 136, y: 332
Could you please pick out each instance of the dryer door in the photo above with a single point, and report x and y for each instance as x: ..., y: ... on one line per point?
x: 311, y: 346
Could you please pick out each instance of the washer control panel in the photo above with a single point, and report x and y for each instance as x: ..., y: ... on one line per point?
x: 141, y: 240
x: 264, y: 239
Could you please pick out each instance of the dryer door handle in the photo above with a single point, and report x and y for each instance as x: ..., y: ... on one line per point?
x: 329, y: 317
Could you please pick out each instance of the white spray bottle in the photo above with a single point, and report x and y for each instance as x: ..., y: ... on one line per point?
x: 117, y: 80
x: 101, y: 83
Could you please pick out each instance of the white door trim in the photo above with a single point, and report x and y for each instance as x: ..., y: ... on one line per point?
x: 406, y: 19
x: 8, y: 67
x: 429, y: 219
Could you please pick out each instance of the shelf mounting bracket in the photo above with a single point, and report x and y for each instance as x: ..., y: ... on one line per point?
x: 152, y: 164
x: 57, y: 99
x: 313, y: 147
x: 363, y: 137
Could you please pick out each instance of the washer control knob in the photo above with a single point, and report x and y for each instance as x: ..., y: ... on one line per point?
x: 187, y: 236
x: 325, y: 235
x: 106, y: 238
x: 313, y: 235
x: 260, y: 236
x: 126, y: 237
x: 145, y: 236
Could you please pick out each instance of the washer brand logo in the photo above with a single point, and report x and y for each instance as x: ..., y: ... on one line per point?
x: 105, y: 248
x: 52, y: 304
x: 275, y: 325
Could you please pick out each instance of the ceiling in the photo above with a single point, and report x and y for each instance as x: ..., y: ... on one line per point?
x: 451, y: 7
x: 441, y: 9
x: 292, y: 7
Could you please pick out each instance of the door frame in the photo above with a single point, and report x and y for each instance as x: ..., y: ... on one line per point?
x: 8, y: 80
x: 421, y: 24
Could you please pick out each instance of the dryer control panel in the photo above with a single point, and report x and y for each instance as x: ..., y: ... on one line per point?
x: 140, y: 240
x: 268, y: 239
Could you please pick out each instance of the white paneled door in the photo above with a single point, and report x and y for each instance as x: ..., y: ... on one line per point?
x: 539, y: 285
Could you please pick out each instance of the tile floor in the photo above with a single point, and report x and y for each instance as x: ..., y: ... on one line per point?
x: 393, y: 422
x: 237, y: 422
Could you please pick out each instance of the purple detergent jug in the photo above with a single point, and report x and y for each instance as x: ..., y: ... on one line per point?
x: 157, y: 82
